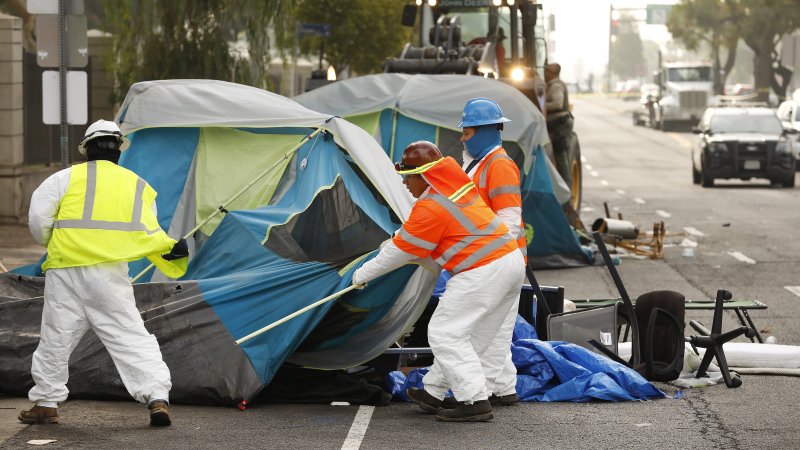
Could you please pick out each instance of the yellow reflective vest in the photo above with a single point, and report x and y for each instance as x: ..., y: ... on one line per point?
x: 106, y: 216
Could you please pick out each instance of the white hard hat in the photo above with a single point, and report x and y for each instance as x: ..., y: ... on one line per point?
x: 103, y: 128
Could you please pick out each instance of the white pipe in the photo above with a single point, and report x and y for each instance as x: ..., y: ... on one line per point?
x: 766, y: 371
x: 298, y: 312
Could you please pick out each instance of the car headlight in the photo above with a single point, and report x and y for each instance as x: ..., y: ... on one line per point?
x: 517, y: 74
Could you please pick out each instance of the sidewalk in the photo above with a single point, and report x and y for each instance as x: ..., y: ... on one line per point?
x: 17, y: 247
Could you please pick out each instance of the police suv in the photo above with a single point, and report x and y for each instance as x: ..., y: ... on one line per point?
x: 742, y: 142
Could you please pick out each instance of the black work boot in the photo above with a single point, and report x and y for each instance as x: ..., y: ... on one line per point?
x: 449, y: 403
x: 159, y: 414
x: 39, y: 414
x: 504, y: 400
x: 480, y: 411
x: 426, y: 401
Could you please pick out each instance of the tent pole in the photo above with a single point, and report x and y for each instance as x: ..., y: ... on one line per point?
x: 298, y: 312
x: 222, y: 207
x: 394, y: 130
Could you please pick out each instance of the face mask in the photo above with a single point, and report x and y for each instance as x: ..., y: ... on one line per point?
x: 483, y: 141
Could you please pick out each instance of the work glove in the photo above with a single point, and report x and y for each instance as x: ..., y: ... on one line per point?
x: 179, y: 250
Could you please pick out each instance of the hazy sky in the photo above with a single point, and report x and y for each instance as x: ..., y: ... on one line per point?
x: 581, y: 33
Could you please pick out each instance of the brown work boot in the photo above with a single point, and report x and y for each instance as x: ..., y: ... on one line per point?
x: 426, y: 401
x: 480, y: 411
x: 504, y: 400
x: 39, y: 414
x: 159, y: 414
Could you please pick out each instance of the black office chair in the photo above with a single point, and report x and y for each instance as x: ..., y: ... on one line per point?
x: 713, y: 340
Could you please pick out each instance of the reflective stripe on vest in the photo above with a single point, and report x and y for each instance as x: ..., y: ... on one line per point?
x: 498, y: 190
x: 475, y: 234
x: 105, y: 216
x: 86, y: 221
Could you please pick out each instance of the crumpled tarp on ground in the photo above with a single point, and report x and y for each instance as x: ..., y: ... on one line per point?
x: 555, y: 372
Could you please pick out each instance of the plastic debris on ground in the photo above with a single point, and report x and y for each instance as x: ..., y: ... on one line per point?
x: 555, y: 371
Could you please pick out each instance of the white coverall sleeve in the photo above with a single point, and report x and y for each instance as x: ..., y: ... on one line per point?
x: 511, y: 217
x: 389, y: 258
x: 44, y: 205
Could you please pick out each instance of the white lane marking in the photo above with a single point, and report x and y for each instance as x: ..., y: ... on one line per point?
x: 793, y: 289
x: 639, y: 201
x: 742, y: 257
x: 594, y: 173
x: 694, y: 231
x: 359, y: 428
x: 603, y: 183
x: 621, y: 191
x: 588, y: 166
x: 663, y: 213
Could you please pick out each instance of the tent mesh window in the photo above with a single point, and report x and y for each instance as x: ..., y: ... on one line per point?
x: 450, y: 144
x: 333, y: 230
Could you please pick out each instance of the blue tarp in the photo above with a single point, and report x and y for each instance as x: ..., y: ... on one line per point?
x: 555, y: 372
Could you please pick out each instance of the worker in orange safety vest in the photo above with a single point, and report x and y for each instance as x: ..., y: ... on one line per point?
x: 470, y: 331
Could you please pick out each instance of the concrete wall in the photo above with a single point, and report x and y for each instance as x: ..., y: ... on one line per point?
x: 18, y: 181
x: 11, y: 116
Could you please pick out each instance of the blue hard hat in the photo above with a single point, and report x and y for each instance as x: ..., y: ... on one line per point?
x: 481, y: 111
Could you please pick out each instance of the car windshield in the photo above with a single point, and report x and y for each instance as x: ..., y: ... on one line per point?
x: 681, y: 74
x: 746, y: 123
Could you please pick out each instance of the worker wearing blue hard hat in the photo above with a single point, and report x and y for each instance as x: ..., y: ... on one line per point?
x: 497, y: 178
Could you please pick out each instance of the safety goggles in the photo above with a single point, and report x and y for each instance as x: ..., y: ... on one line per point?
x: 107, y: 144
x: 398, y: 166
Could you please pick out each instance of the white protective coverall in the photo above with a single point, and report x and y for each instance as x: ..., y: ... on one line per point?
x: 470, y: 331
x: 501, y: 376
x: 97, y: 297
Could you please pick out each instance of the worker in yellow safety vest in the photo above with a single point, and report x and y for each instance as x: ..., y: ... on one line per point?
x: 93, y: 218
x: 473, y: 323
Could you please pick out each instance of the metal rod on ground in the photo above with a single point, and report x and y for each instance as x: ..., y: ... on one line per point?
x: 3, y: 268
x: 222, y: 207
x: 297, y: 313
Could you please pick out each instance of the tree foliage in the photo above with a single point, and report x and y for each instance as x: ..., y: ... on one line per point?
x: 627, y: 52
x: 363, y: 32
x: 694, y: 22
x: 762, y: 24
x: 224, y: 40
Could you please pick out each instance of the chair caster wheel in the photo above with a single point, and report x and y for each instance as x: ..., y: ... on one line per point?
x: 735, y: 382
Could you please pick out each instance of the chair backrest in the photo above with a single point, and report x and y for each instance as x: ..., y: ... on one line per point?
x: 661, y: 315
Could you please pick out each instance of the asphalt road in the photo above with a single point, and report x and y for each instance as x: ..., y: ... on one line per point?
x: 747, y: 243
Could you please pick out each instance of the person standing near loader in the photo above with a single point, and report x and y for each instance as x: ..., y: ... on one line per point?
x: 497, y: 178
x: 559, y: 119
x: 94, y: 218
x: 451, y: 223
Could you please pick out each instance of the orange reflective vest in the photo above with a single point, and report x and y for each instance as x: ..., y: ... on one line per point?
x: 497, y: 179
x: 451, y: 223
